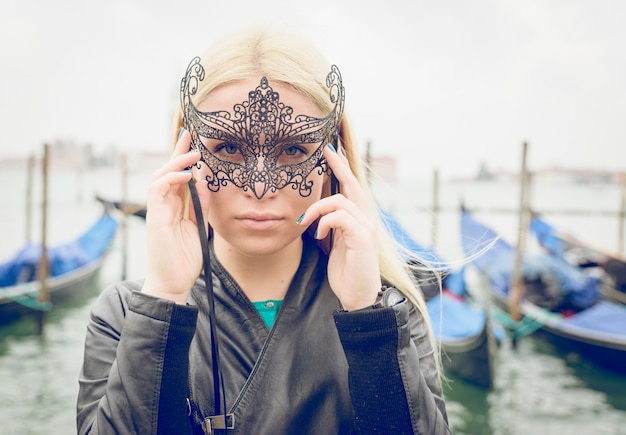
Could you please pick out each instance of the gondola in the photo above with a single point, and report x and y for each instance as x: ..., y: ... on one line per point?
x: 72, y: 268
x: 467, y: 337
x: 560, y: 300
x: 611, y: 268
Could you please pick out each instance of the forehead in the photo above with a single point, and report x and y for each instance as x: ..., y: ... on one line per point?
x: 226, y: 96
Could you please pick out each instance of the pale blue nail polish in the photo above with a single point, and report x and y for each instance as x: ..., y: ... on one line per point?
x: 300, y: 219
x: 331, y: 147
x: 180, y: 133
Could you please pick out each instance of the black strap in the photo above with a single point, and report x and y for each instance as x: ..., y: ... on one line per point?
x: 218, y: 381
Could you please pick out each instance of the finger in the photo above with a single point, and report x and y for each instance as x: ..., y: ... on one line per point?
x: 333, y: 204
x: 341, y: 151
x: 178, y: 164
x: 183, y: 143
x: 340, y: 220
x: 350, y: 186
x: 169, y: 183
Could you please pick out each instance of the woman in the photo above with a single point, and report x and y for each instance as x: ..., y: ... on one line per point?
x: 310, y: 322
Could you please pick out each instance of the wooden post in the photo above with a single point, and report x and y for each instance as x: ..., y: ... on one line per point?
x: 621, y: 214
x: 43, y: 269
x: 516, y: 291
x: 435, y: 210
x: 29, y: 198
x: 123, y: 207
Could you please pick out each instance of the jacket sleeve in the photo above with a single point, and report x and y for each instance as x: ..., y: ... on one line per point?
x: 393, y: 378
x: 135, y: 367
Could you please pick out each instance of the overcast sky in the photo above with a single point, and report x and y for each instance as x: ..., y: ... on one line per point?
x: 443, y: 84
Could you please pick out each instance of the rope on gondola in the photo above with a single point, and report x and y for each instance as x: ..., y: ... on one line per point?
x: 30, y: 301
x: 516, y: 329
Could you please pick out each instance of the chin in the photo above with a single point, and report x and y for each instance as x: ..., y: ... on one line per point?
x: 261, y: 246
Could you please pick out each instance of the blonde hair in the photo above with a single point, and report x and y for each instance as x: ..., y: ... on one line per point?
x: 281, y: 57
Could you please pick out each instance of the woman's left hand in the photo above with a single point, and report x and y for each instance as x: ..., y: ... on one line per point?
x: 353, y: 269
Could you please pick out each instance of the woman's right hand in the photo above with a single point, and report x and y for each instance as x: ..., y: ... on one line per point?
x: 174, y: 252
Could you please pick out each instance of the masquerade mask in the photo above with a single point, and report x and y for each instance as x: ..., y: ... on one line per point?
x: 261, y: 145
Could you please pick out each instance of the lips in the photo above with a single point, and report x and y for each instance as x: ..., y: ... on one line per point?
x: 259, y: 221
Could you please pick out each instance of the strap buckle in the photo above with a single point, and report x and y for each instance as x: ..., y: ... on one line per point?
x: 218, y: 422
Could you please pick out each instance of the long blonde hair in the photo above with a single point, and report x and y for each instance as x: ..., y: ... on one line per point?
x: 281, y: 57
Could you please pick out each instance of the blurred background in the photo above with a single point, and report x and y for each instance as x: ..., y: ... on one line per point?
x: 449, y: 84
x: 442, y: 94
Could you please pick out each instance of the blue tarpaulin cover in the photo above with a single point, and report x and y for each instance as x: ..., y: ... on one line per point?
x: 62, y: 258
x: 452, y: 318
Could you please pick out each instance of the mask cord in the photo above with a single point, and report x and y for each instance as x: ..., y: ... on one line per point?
x: 218, y: 380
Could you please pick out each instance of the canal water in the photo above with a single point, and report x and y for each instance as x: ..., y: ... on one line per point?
x: 538, y: 390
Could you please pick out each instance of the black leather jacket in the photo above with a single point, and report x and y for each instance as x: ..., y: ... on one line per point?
x: 147, y: 363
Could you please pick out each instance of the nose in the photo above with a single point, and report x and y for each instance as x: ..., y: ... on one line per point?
x: 259, y: 189
x: 261, y: 183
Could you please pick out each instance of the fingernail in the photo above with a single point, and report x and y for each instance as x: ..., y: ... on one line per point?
x: 331, y: 147
x: 343, y: 151
x: 180, y: 133
x: 299, y: 220
x: 186, y: 170
x: 315, y: 235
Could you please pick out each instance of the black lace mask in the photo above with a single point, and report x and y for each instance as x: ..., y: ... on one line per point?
x: 261, y: 146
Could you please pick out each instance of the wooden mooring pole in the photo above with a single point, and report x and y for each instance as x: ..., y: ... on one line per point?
x: 30, y: 169
x: 43, y: 269
x: 516, y: 292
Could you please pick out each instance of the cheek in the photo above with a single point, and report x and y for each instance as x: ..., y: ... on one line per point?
x: 325, y: 185
x: 321, y: 186
x: 319, y: 190
x: 220, y: 203
x: 202, y: 172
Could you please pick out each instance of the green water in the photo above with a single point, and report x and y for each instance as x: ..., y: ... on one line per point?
x: 537, y: 390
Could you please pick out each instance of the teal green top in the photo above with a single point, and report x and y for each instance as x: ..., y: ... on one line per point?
x: 268, y: 310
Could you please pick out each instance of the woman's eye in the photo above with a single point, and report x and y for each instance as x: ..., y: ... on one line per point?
x: 294, y: 151
x: 229, y: 152
x: 292, y: 154
x: 227, y: 148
